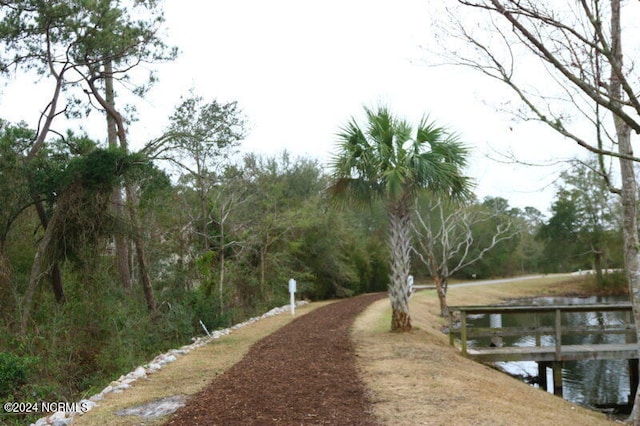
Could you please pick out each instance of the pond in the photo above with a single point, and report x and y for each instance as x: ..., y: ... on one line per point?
x: 598, y: 384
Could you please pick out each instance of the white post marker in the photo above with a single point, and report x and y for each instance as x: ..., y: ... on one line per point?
x: 292, y: 292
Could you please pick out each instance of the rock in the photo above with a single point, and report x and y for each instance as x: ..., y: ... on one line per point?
x: 157, y: 408
x: 153, y: 367
x: 138, y: 373
x: 121, y: 387
x: 86, y: 405
x: 106, y: 390
x: 58, y: 415
x: 167, y: 359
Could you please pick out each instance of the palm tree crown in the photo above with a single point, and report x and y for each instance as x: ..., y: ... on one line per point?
x: 389, y: 161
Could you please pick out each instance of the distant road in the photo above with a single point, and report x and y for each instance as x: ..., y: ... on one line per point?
x: 487, y: 282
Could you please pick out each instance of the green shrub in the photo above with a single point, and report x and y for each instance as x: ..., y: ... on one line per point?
x: 615, y: 282
x: 14, y: 372
x: 206, y: 308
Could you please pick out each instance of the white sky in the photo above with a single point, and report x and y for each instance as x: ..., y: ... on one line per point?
x: 301, y: 69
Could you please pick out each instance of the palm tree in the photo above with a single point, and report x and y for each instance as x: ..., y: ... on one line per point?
x: 387, y: 161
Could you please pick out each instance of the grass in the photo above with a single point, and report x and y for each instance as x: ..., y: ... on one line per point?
x: 416, y: 378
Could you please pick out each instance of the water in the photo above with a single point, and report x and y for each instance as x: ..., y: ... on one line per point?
x: 592, y: 383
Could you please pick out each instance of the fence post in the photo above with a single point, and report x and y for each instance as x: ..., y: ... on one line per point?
x: 558, y: 331
x: 557, y: 378
x: 463, y: 331
x: 292, y: 293
x: 451, y: 336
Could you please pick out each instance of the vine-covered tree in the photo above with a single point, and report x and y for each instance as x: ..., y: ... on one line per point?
x: 80, y: 191
x: 390, y: 161
x: 86, y: 46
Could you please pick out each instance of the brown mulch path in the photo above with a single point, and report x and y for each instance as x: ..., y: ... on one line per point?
x: 304, y: 373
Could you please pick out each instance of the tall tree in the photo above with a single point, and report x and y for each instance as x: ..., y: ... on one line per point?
x: 200, y: 138
x: 81, y: 194
x: 99, y: 41
x: 580, y: 45
x: 560, y: 234
x: 582, y: 224
x: 387, y: 160
x: 29, y: 33
x: 596, y: 209
x: 108, y: 39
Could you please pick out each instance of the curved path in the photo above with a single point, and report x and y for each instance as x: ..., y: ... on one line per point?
x: 304, y: 373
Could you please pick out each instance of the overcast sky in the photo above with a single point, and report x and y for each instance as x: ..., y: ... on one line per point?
x: 301, y: 69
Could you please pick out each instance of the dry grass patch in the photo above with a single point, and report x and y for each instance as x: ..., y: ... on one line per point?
x: 416, y: 378
x: 187, y: 375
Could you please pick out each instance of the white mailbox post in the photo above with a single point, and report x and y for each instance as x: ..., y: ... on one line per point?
x: 292, y: 292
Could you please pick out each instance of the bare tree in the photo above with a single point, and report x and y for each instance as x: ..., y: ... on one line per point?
x: 579, y: 45
x: 201, y: 136
x: 446, y: 242
x: 226, y: 200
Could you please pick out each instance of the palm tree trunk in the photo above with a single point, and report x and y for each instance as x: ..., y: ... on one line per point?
x: 400, y: 246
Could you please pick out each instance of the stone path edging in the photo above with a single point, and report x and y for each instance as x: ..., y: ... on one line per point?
x: 124, y: 382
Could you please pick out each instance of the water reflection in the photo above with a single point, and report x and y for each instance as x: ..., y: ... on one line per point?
x: 593, y: 383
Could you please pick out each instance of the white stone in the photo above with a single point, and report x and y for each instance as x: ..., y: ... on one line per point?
x: 138, y: 373
x: 58, y: 415
x: 87, y: 405
x: 169, y: 358
x: 122, y: 386
x: 106, y: 390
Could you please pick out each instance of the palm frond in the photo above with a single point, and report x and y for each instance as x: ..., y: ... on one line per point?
x: 387, y: 160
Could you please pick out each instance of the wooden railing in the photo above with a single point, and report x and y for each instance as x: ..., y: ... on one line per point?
x: 458, y: 326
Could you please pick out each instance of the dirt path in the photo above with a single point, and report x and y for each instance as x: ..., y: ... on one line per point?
x: 290, y: 377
